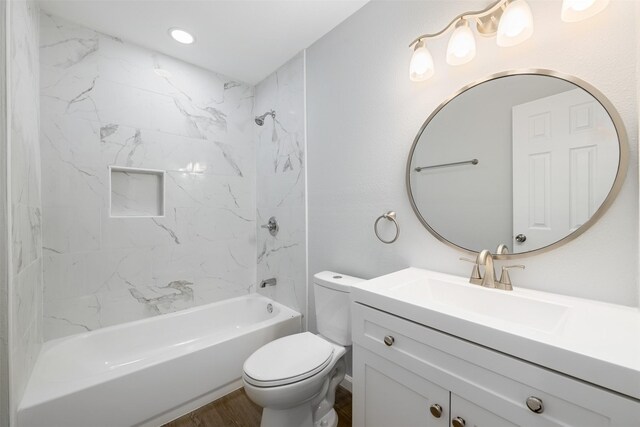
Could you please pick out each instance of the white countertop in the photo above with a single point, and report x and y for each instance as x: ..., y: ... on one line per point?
x: 593, y: 341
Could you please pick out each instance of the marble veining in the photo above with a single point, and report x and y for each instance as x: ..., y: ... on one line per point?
x: 106, y: 102
x: 25, y: 272
x: 280, y: 155
x: 163, y: 299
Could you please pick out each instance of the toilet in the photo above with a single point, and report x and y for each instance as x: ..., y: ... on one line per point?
x: 295, y: 378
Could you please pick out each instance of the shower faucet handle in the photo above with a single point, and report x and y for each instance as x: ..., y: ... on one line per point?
x: 272, y: 226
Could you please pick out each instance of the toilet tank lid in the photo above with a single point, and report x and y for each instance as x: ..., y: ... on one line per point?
x: 337, y: 281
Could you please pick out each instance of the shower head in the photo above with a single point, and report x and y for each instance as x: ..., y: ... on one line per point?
x: 260, y: 119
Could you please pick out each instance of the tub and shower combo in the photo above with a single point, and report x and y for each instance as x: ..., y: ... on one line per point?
x: 151, y: 371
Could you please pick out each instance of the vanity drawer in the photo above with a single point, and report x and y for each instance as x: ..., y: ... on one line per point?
x: 491, y: 380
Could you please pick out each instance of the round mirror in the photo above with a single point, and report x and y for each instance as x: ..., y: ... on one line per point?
x: 522, y: 160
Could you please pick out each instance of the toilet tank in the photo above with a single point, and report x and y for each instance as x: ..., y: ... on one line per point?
x: 333, y: 317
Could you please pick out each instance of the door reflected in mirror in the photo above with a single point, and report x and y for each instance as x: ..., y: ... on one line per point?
x: 527, y: 160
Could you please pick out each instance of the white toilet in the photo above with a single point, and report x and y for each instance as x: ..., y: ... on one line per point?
x: 295, y: 378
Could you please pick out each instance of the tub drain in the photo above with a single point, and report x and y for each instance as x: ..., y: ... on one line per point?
x: 269, y: 308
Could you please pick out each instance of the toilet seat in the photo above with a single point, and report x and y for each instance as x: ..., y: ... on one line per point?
x: 288, y: 360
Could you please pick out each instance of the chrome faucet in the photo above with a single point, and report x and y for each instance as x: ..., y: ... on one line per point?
x: 268, y: 282
x: 486, y: 259
x: 502, y: 249
x: 488, y: 279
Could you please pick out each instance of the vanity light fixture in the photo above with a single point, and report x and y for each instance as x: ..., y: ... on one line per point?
x: 181, y: 36
x: 577, y: 10
x: 510, y: 21
x: 516, y: 24
x: 462, y: 44
x: 421, y: 67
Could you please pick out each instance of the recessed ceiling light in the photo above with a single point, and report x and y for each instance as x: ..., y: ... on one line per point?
x: 181, y: 36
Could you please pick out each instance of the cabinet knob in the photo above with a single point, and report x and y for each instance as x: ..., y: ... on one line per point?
x: 535, y: 404
x: 436, y: 410
x: 458, y: 422
x: 389, y: 340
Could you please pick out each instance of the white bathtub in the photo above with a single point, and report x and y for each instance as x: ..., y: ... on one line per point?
x: 150, y: 371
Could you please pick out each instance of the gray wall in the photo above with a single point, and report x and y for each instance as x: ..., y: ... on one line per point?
x: 363, y: 113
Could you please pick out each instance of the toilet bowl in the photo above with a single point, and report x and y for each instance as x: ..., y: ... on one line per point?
x: 295, y: 378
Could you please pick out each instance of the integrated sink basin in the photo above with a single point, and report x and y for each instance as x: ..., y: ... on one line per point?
x: 457, y: 294
x: 593, y: 341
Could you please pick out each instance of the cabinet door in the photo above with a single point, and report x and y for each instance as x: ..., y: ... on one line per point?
x: 475, y: 416
x: 386, y: 395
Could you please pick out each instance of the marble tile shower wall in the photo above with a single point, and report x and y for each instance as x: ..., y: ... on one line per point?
x: 281, y: 183
x: 106, y: 102
x: 25, y: 295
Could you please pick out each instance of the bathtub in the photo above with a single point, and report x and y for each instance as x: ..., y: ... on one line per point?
x: 148, y: 372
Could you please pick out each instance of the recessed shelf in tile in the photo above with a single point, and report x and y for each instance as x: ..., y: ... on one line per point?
x: 136, y: 192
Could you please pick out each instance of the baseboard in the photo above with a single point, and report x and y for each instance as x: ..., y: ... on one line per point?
x: 347, y: 383
x: 192, y: 405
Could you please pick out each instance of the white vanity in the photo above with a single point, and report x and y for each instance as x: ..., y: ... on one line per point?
x: 508, y: 162
x: 430, y: 349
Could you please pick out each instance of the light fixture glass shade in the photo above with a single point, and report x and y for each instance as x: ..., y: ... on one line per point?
x: 421, y: 66
x: 462, y: 45
x: 516, y: 24
x: 577, y: 10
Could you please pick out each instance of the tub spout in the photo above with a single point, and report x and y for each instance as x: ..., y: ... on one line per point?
x: 268, y: 282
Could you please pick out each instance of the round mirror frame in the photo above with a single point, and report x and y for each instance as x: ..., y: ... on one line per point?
x: 623, y: 159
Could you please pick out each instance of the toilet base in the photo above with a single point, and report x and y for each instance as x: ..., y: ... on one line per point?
x: 301, y: 416
x: 329, y: 420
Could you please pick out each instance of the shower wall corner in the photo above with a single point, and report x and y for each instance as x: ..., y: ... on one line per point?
x: 281, y: 184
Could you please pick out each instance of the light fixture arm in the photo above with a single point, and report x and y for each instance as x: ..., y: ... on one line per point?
x: 466, y: 15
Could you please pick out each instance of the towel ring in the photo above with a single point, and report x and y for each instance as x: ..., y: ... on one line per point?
x: 391, y: 216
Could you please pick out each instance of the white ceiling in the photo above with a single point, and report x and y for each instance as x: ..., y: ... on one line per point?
x: 243, y: 39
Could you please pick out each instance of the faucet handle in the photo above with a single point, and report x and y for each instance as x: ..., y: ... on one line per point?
x: 505, y: 280
x: 475, y: 278
x: 272, y: 226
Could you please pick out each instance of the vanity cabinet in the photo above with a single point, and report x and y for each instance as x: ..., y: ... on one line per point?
x: 397, y: 397
x: 403, y: 369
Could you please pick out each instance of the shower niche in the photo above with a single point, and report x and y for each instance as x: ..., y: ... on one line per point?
x: 135, y: 192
